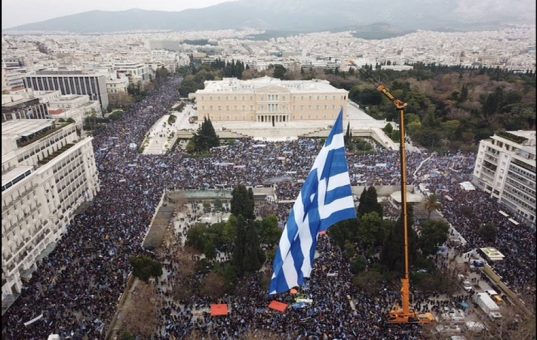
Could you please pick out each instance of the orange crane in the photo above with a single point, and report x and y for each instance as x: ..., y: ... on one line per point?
x: 403, y: 315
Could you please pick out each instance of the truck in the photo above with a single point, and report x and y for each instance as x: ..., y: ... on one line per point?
x: 485, y: 302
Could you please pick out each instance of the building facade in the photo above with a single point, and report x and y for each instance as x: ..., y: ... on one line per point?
x: 23, y: 108
x: 505, y: 168
x: 70, y: 82
x: 73, y: 106
x: 270, y: 100
x: 48, y: 171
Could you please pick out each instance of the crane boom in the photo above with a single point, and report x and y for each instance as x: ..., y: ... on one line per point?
x: 405, y: 314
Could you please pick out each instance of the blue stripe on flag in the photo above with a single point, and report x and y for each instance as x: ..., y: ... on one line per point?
x: 314, y: 212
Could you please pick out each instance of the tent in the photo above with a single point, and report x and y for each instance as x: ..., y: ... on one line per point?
x: 219, y: 310
x: 278, y: 306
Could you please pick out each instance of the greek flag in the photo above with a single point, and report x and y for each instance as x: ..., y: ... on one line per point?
x: 325, y: 199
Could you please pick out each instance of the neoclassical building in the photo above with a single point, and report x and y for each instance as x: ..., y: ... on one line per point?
x: 269, y: 100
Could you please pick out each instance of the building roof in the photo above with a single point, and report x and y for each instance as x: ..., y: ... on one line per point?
x: 294, y: 86
x: 14, y: 173
x: 24, y: 127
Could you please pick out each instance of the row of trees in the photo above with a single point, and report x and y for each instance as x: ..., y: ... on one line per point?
x: 242, y: 236
x: 230, y: 69
x: 374, y: 245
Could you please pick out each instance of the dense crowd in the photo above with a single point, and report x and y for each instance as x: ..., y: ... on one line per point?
x: 77, y: 286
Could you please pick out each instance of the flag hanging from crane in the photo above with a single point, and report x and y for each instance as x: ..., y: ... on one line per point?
x: 325, y: 199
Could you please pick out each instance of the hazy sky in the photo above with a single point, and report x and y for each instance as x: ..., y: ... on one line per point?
x: 18, y: 12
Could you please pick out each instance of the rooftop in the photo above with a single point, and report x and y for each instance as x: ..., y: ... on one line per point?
x: 15, y: 173
x: 237, y: 85
x: 24, y: 127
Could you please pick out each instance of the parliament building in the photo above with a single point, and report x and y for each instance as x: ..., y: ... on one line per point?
x: 269, y: 100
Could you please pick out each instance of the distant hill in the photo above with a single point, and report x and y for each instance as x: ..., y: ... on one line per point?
x: 276, y: 15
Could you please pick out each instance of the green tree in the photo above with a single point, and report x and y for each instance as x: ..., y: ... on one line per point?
x: 488, y: 232
x: 343, y: 231
x: 348, y: 135
x: 239, y: 246
x: 195, y: 237
x: 431, y: 204
x: 371, y: 230
x: 242, y: 202
x: 369, y: 202
x: 392, y: 256
x: 144, y: 267
x: 205, y: 138
x: 247, y: 254
x: 279, y: 71
x: 269, y: 232
x: 388, y: 129
x: 433, y: 234
x: 254, y: 257
x: 358, y: 264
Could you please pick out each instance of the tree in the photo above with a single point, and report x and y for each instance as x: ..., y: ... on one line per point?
x: 269, y: 232
x: 369, y: 202
x: 348, y: 135
x: 242, y: 202
x: 205, y: 138
x: 358, y: 264
x: 388, y: 129
x: 279, y: 71
x: 116, y: 115
x: 488, y: 232
x: 342, y: 231
x: 431, y: 204
x: 464, y: 94
x: 368, y: 281
x: 254, y: 257
x: 392, y: 256
x: 144, y: 267
x: 432, y: 235
x: 120, y: 99
x: 371, y: 230
x: 247, y: 253
x: 196, y: 237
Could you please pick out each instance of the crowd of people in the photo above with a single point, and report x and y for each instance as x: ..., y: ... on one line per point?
x: 77, y: 286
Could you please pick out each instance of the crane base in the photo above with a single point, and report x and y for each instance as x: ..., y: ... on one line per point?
x: 397, y: 316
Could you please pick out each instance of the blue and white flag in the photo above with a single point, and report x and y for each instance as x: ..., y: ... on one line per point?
x: 325, y: 199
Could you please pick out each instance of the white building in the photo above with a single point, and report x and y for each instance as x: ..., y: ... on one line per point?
x: 505, y: 168
x: 73, y: 106
x: 117, y: 85
x: 13, y: 78
x: 48, y: 171
x: 136, y: 72
x: 270, y: 100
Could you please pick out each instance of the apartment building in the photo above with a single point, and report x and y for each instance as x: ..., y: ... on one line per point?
x: 48, y: 171
x: 270, y: 100
x: 71, y: 82
x: 19, y: 107
x: 117, y: 85
x: 505, y: 168
x: 135, y: 72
